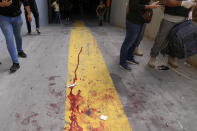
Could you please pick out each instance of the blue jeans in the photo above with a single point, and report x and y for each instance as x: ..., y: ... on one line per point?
x: 57, y: 17
x: 11, y: 27
x: 133, y: 35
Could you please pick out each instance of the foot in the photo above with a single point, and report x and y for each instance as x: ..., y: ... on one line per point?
x: 14, y: 67
x: 133, y: 62
x: 22, y: 54
x: 151, y: 62
x: 172, y: 62
x: 28, y: 33
x: 0, y: 63
x: 38, y: 31
x: 137, y: 53
x: 125, y: 67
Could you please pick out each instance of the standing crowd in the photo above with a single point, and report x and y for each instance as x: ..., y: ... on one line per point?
x: 139, y: 12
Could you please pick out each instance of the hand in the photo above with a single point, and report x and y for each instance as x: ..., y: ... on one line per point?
x: 154, y: 5
x: 29, y: 17
x: 6, y: 3
x: 188, y: 4
x: 190, y: 15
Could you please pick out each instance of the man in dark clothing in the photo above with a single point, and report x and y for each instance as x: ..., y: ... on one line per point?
x: 34, y: 10
x: 10, y: 24
x: 175, y: 12
x: 134, y: 28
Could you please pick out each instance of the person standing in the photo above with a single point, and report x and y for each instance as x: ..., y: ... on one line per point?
x: 136, y: 52
x: 34, y: 10
x: 10, y: 24
x: 134, y: 28
x: 107, y: 14
x: 101, y: 9
x: 56, y: 8
x: 175, y: 12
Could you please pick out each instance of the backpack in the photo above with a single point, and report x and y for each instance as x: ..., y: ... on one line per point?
x: 182, y: 40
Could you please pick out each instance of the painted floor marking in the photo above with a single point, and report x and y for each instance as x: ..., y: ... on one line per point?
x: 92, y: 103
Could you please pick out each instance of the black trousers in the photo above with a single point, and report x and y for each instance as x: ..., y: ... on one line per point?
x: 34, y: 10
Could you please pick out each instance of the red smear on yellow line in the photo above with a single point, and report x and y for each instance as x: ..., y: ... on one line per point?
x: 91, y: 92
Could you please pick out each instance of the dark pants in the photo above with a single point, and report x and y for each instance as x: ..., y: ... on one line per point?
x: 11, y: 28
x: 133, y: 33
x: 142, y: 34
x: 161, y: 38
x: 35, y: 12
x: 57, y: 17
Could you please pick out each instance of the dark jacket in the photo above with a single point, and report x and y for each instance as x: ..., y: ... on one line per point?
x: 136, y: 10
x: 14, y: 9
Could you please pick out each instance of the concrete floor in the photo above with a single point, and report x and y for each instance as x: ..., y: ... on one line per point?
x: 33, y: 99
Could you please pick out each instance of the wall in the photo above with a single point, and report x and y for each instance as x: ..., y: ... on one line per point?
x: 43, y: 11
x: 118, y: 12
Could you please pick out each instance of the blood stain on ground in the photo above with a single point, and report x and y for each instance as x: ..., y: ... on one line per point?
x: 90, y: 82
x: 26, y: 121
x: 53, y: 78
x: 56, y: 93
x: 55, y: 107
x: 36, y: 125
x: 52, y: 84
x: 17, y: 115
x: 107, y: 97
x: 75, y: 102
x: 94, y: 93
x: 100, y: 128
x: 91, y: 112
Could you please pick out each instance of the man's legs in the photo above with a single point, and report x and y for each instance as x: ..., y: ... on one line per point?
x: 101, y: 17
x: 160, y: 41
x: 57, y: 15
x: 35, y: 12
x: 17, y: 24
x: 7, y: 29
x: 133, y: 47
x: 136, y: 52
x: 132, y: 34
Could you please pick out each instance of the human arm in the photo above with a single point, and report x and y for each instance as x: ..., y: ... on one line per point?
x: 27, y: 8
x: 97, y: 10
x: 135, y: 4
x: 5, y: 3
x: 153, y: 5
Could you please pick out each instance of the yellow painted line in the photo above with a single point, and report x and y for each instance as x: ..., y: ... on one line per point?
x: 94, y: 93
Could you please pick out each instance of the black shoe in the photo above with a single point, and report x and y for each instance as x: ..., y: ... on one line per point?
x: 22, y: 54
x: 14, y: 67
x: 133, y: 62
x: 0, y: 63
x: 125, y: 67
x: 38, y: 31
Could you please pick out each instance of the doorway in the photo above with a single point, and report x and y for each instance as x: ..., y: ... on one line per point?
x: 80, y: 9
